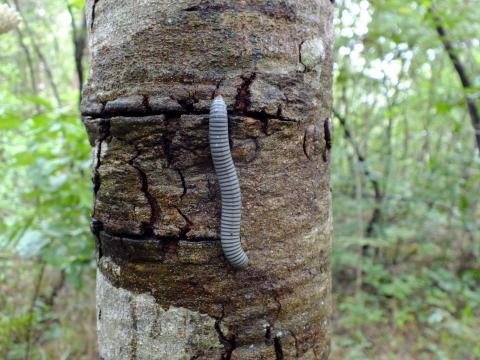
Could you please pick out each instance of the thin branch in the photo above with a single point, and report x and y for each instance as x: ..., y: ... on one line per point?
x: 36, y: 294
x: 358, y: 153
x: 462, y: 74
x: 40, y: 55
x: 28, y: 56
x: 378, y: 195
x: 79, y: 39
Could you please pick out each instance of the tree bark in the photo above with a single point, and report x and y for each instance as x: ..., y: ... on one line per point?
x: 164, y: 289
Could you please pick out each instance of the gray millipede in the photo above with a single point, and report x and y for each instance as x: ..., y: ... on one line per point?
x: 229, y: 186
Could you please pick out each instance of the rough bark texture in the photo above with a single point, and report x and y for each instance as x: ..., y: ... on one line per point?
x: 163, y: 283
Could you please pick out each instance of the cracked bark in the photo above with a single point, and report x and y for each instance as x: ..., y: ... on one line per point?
x: 227, y: 342
x: 162, y: 278
x: 93, y: 14
x: 152, y: 202
x: 104, y: 131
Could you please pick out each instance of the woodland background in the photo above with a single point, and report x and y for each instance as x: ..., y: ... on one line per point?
x: 405, y: 180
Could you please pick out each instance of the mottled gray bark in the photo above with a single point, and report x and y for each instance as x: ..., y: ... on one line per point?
x: 164, y: 289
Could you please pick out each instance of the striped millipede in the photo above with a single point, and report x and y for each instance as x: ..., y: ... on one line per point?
x: 229, y: 185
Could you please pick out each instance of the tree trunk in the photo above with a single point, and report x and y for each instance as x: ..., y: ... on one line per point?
x: 164, y: 289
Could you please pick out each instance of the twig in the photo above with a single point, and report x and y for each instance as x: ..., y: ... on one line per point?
x: 36, y: 293
x: 79, y: 40
x: 40, y: 55
x: 462, y: 74
x: 360, y: 157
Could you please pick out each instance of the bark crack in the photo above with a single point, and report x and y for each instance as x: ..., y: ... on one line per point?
x: 278, y: 348
x: 184, y: 183
x: 167, y: 150
x: 276, y: 341
x: 184, y: 231
x: 217, y: 87
x: 262, y: 115
x: 104, y: 129
x: 300, y: 56
x: 93, y: 13
x: 152, y: 201
x: 171, y: 114
x: 96, y: 227
x: 135, y: 237
x: 192, y: 8
x: 295, y: 339
x: 305, y: 145
x: 227, y: 341
x: 242, y: 100
x: 327, y: 126
x: 188, y: 103
x: 239, y: 108
x: 327, y: 134
x: 207, y: 7
x: 268, y: 336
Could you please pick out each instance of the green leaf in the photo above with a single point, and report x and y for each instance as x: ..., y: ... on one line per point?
x: 77, y: 4
x: 37, y: 100
x: 9, y: 121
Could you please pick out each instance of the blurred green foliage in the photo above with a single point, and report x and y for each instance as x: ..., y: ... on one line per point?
x: 406, y: 274
x: 409, y: 287
x: 45, y: 192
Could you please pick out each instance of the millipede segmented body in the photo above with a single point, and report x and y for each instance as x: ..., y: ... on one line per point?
x: 229, y: 186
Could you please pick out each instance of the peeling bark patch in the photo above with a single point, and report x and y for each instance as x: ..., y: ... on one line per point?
x: 134, y: 326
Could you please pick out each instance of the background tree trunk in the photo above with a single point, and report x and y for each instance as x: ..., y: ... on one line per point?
x: 164, y: 289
